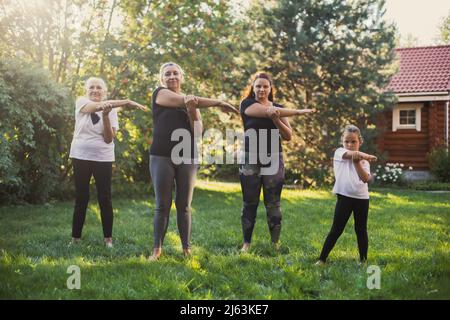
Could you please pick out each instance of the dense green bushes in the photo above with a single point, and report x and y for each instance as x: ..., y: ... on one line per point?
x: 36, y: 128
x: 34, y: 131
x: 439, y: 160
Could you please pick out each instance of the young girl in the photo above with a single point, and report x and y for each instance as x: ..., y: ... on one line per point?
x: 352, y: 172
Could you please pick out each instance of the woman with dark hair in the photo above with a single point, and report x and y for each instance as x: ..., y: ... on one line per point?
x: 264, y: 122
x: 172, y: 111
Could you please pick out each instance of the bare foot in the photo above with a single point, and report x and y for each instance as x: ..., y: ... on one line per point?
x: 276, y: 246
x: 156, y: 254
x: 186, y: 252
x: 108, y: 242
x: 245, y: 247
x: 74, y: 241
x: 319, y: 263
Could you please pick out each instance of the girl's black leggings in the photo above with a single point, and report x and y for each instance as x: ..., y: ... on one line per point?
x: 344, y: 208
x: 83, y: 170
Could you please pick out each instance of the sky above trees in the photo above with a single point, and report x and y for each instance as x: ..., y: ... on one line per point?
x: 418, y: 20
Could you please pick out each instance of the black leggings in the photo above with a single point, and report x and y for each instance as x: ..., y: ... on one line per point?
x: 102, y: 172
x: 251, y: 183
x: 344, y: 208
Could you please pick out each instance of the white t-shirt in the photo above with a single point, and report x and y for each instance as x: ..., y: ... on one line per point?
x: 88, y: 143
x: 348, y: 183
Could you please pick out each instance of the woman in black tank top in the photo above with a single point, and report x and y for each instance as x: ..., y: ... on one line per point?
x: 265, y: 121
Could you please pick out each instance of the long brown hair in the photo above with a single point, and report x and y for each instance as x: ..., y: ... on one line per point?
x: 249, y: 93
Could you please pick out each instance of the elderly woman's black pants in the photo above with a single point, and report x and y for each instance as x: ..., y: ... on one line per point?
x: 83, y: 170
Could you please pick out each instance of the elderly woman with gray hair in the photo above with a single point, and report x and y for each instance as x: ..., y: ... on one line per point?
x: 92, y: 153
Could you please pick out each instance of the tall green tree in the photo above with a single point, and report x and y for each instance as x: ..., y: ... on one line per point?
x: 202, y: 36
x: 70, y: 38
x: 334, y: 56
x: 125, y: 42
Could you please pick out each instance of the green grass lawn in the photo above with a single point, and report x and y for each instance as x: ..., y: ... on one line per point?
x: 408, y: 240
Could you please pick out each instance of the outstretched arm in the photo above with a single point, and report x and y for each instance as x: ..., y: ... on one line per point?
x: 358, y: 155
x: 99, y: 106
x: 172, y: 99
x: 225, y: 106
x: 168, y: 98
x: 258, y: 110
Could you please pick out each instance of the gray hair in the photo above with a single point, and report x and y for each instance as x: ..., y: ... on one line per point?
x: 102, y: 83
x: 352, y: 129
x: 167, y: 64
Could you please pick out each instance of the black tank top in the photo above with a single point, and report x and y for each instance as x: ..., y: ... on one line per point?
x: 258, y: 124
x: 165, y: 121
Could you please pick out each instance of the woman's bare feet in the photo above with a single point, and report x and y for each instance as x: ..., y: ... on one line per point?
x: 245, y: 247
x: 276, y: 246
x: 186, y: 252
x: 75, y: 241
x: 319, y: 263
x: 108, y: 242
x: 156, y: 254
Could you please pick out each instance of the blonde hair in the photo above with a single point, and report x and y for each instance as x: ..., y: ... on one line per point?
x: 352, y: 129
x: 167, y: 64
x: 102, y: 84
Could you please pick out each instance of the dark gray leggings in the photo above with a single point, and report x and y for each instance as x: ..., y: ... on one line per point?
x: 251, y: 182
x: 164, y: 175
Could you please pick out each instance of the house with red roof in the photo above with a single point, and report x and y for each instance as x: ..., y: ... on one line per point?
x: 420, y: 120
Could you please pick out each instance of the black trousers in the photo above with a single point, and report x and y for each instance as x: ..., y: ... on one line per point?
x: 83, y: 170
x: 344, y: 208
x: 272, y: 185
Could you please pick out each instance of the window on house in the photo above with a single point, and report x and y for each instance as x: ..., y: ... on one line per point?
x: 407, y: 117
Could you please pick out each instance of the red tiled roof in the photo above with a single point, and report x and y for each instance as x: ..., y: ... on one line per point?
x: 422, y: 69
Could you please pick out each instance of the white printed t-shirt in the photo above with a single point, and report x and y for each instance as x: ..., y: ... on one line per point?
x: 348, y: 183
x: 88, y: 143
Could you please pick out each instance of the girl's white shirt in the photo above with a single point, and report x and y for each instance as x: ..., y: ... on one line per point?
x: 348, y: 183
